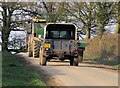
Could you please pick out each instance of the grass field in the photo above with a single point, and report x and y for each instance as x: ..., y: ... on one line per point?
x: 15, y: 73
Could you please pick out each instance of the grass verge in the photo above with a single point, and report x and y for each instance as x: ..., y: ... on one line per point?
x: 15, y: 73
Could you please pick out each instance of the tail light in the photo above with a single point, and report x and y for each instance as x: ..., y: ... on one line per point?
x: 74, y: 49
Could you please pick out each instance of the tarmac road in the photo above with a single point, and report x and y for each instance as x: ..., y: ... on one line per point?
x: 84, y: 75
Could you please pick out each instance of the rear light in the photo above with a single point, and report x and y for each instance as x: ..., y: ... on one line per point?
x: 74, y: 49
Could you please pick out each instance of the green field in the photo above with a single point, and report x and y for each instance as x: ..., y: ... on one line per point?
x: 16, y: 73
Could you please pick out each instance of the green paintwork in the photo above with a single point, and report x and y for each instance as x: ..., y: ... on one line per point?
x: 38, y: 29
x: 83, y: 45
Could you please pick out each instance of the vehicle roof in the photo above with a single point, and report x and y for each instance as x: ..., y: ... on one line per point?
x: 61, y: 23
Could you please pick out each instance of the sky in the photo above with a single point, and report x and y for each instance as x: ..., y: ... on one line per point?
x: 13, y: 33
x: 17, y: 34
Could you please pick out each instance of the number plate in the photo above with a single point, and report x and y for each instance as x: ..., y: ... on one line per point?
x: 46, y: 45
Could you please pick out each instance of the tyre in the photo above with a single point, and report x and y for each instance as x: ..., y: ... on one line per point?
x: 71, y: 60
x: 76, y: 61
x: 80, y: 55
x: 80, y: 58
x: 48, y: 59
x: 30, y: 53
x: 43, y: 60
x: 36, y: 47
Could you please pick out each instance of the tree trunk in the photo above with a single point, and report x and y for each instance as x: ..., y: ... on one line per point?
x: 5, y: 35
x: 101, y: 29
x: 6, y: 27
x: 117, y: 28
x: 88, y: 26
x: 87, y: 33
x: 118, y: 24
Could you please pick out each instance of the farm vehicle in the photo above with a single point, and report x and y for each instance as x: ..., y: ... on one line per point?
x: 54, y: 40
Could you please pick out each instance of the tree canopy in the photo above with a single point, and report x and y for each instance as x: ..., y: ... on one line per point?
x: 90, y: 17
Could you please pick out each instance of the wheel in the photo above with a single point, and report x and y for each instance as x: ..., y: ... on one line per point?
x: 48, y: 59
x: 42, y: 60
x: 76, y: 61
x: 36, y: 47
x: 30, y: 53
x: 80, y: 55
x: 80, y: 58
x: 71, y: 60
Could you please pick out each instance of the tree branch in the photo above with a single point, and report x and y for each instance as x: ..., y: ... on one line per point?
x: 45, y: 6
x: 34, y: 13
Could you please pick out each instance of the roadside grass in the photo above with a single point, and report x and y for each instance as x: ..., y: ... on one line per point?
x: 118, y: 66
x: 15, y: 73
x: 106, y: 62
x: 103, y: 50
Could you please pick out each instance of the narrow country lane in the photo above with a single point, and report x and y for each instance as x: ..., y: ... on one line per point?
x: 66, y: 75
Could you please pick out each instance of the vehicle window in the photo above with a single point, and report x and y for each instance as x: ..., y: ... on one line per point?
x: 60, y: 34
x: 72, y: 34
x: 54, y: 34
x: 46, y: 34
x: 63, y: 34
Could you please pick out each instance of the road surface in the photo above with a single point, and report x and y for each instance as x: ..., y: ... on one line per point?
x: 83, y: 75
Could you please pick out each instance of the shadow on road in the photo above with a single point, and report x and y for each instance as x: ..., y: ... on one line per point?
x: 60, y: 65
x: 95, y: 65
x: 50, y: 78
x: 44, y: 76
x: 100, y: 67
x: 66, y: 61
x: 83, y: 64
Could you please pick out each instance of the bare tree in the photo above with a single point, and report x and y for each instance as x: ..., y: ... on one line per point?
x: 118, y: 18
x: 105, y: 12
x: 84, y: 12
x: 7, y: 10
x: 10, y: 18
x: 54, y: 11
